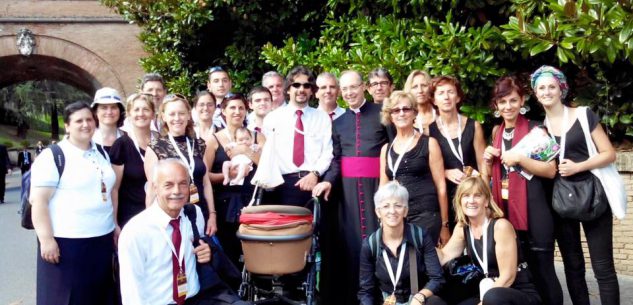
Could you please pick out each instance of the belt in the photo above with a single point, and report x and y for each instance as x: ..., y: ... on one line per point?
x: 299, y: 174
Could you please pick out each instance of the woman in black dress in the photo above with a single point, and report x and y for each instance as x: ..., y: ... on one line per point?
x: 230, y: 199
x: 550, y: 87
x: 178, y: 140
x: 524, y: 201
x: 415, y: 160
x: 127, y: 156
x: 461, y: 139
x: 490, y: 241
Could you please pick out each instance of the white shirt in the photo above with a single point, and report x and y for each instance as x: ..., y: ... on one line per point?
x: 317, y: 129
x: 338, y: 111
x: 145, y: 261
x: 77, y: 209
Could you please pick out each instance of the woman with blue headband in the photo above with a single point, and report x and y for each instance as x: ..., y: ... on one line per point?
x: 564, y: 123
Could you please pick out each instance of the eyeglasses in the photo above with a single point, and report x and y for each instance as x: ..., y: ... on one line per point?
x: 401, y: 109
x: 350, y: 88
x: 298, y: 85
x: 383, y: 83
x: 395, y: 206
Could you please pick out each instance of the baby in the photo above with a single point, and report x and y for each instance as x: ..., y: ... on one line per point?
x: 241, y: 162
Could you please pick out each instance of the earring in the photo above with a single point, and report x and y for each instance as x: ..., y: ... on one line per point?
x: 524, y: 110
x: 496, y: 114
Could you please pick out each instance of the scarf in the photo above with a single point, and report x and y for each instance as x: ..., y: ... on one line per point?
x: 516, y: 211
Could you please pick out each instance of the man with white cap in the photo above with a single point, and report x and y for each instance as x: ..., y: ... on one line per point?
x: 109, y: 110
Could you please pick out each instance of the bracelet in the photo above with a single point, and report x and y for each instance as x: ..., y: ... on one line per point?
x: 445, y: 224
x: 213, y: 212
x: 423, y: 300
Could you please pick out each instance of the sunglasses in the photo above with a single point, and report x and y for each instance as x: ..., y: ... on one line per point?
x: 176, y: 96
x: 298, y: 85
x: 215, y: 69
x: 233, y: 96
x: 401, y: 109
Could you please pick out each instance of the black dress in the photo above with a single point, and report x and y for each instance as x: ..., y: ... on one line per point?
x: 229, y: 201
x: 451, y: 161
x: 132, y: 188
x: 164, y: 150
x: 415, y: 175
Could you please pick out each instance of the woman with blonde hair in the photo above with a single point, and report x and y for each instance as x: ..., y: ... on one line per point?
x: 415, y: 160
x: 178, y: 140
x: 419, y: 84
x: 490, y: 242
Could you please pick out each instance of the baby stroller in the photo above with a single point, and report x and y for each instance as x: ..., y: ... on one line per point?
x: 279, y: 243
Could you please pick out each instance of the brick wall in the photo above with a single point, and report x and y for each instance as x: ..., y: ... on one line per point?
x: 622, y: 229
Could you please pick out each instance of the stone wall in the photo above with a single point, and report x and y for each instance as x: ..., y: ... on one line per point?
x: 622, y: 229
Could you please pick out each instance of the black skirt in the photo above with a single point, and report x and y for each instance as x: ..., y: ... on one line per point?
x: 83, y: 275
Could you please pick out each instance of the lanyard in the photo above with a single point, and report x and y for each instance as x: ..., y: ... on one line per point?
x: 137, y: 146
x: 199, y: 132
x: 457, y: 152
x: 395, y: 279
x: 420, y: 121
x: 191, y: 162
x: 484, y: 236
x: 563, y: 134
x: 180, y: 257
x: 394, y: 167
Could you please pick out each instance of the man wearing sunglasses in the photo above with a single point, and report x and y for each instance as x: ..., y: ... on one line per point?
x: 380, y: 84
x: 302, y: 143
x: 219, y: 84
x: 357, y: 138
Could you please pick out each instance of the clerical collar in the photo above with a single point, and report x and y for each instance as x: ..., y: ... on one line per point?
x: 357, y: 110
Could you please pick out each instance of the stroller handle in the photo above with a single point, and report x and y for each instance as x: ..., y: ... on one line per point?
x: 281, y: 238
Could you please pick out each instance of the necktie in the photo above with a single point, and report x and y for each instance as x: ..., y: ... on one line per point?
x: 176, y: 238
x: 297, y: 152
x: 332, y: 116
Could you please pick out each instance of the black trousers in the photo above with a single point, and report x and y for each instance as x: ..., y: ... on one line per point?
x: 3, y: 184
x: 599, y: 234
x: 287, y: 193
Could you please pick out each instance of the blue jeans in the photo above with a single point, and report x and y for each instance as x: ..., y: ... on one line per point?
x: 599, y: 234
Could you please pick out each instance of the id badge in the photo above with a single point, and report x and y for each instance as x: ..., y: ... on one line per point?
x: 194, y: 197
x: 470, y: 171
x: 505, y: 186
x: 182, y: 284
x: 390, y: 300
x: 484, y: 286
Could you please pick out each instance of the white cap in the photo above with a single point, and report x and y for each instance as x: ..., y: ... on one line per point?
x: 107, y: 95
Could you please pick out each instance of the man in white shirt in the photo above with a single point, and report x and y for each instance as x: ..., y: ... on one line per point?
x: 327, y: 94
x: 156, y: 253
x: 303, y: 143
x: 219, y: 84
x: 260, y: 102
x: 154, y: 85
x: 274, y: 82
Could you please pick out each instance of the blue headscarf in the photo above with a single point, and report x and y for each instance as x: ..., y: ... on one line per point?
x: 553, y: 72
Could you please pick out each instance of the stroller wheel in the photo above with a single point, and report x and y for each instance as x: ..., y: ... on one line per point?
x: 310, y: 285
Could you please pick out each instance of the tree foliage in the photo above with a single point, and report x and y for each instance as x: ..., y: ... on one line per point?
x: 474, y: 40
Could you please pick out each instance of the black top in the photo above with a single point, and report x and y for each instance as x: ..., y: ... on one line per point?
x: 371, y: 134
x: 163, y: 149
x: 132, y: 189
x: 230, y: 199
x: 575, y: 144
x: 468, y: 146
x: 374, y: 274
x: 415, y: 175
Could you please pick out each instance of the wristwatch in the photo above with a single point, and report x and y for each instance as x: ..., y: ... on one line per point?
x: 316, y: 173
x: 445, y: 223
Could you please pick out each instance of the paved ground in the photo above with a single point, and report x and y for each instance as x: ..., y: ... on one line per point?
x: 18, y: 248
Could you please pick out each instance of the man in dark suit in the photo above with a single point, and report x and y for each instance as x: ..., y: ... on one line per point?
x: 5, y: 168
x: 25, y: 160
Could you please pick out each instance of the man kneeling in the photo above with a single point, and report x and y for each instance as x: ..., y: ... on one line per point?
x: 156, y: 254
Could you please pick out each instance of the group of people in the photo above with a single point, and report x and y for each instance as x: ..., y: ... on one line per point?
x: 403, y: 169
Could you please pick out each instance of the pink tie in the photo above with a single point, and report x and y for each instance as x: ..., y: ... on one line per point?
x: 297, y: 152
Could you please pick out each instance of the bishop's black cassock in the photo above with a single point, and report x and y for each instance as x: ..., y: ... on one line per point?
x: 357, y: 139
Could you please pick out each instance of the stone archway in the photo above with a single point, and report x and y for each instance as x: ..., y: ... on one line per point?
x: 56, y: 59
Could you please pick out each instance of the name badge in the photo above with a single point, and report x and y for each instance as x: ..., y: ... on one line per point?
x: 505, y: 186
x: 390, y: 300
x: 194, y: 197
x: 182, y: 284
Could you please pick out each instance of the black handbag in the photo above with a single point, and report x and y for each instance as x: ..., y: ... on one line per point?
x: 580, y: 198
x: 462, y: 279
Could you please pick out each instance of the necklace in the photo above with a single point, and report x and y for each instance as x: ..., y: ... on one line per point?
x: 508, y: 135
